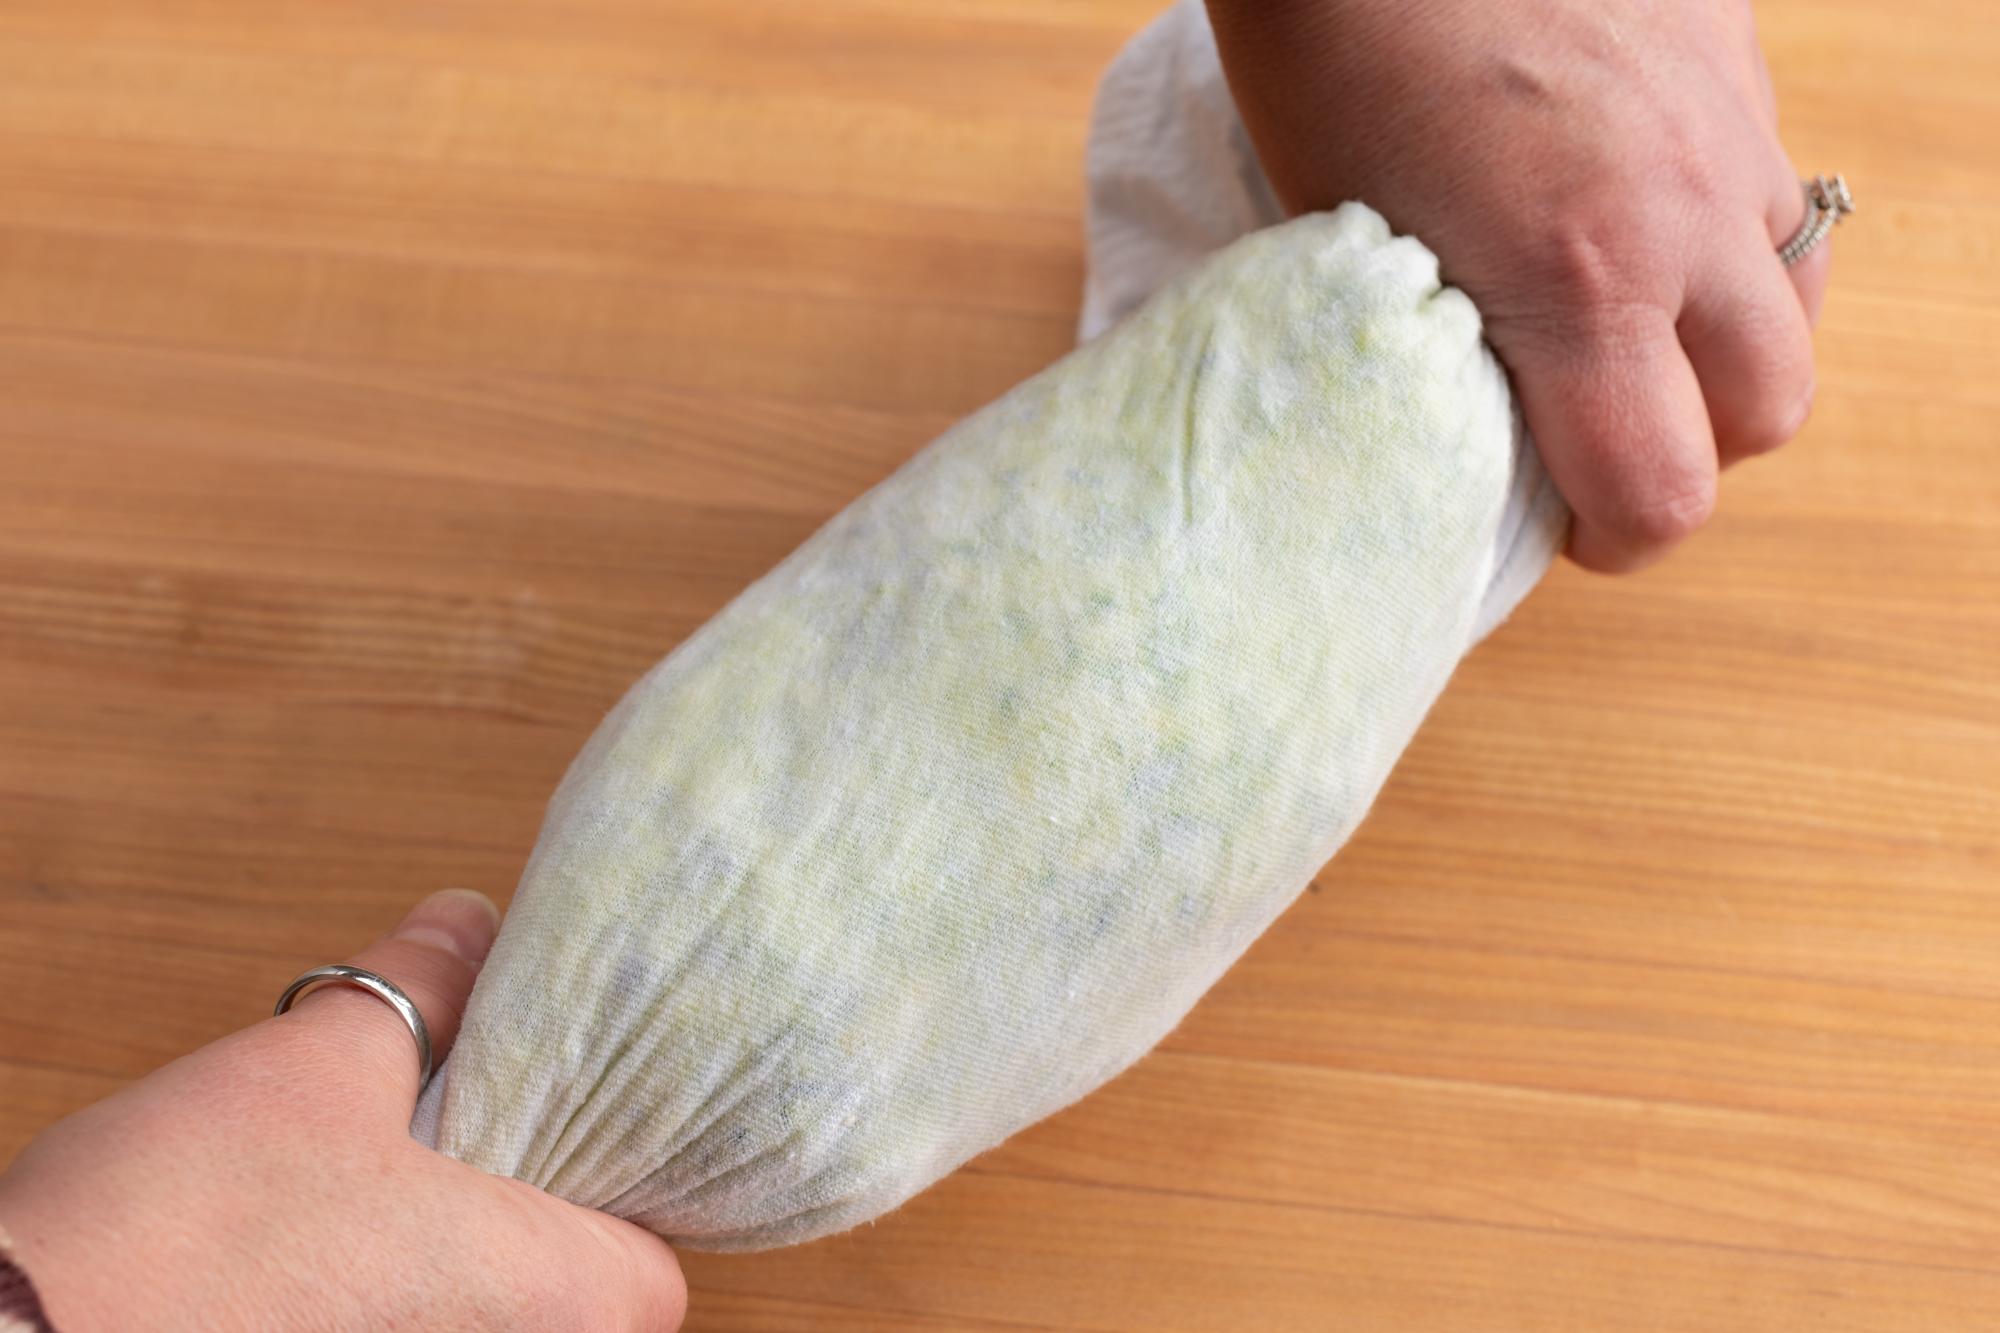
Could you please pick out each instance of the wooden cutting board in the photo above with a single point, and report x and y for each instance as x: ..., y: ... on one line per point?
x: 384, y: 386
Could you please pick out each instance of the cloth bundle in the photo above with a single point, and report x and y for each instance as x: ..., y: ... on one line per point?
x: 956, y: 812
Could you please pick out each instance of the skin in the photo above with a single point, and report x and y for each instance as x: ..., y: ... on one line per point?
x: 1604, y: 179
x: 269, y: 1182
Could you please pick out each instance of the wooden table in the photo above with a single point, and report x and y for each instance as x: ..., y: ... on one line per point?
x: 384, y: 386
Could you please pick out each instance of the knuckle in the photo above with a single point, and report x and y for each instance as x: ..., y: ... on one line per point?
x: 1587, y: 270
x: 436, y: 981
x: 1700, y: 177
x: 1771, y: 397
x: 1599, y: 279
x: 1771, y: 427
x: 631, y: 1287
x: 1663, y: 517
x: 1601, y: 300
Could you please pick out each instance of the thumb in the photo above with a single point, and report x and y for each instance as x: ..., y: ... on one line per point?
x: 633, y: 1273
x: 433, y: 957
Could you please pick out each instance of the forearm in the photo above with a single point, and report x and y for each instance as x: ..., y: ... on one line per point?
x: 1279, y: 56
x: 1336, y: 94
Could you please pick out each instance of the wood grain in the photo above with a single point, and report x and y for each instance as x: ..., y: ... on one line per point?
x: 382, y: 387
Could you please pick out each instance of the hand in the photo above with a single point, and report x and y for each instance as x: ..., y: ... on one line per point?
x: 1604, y: 179
x: 269, y: 1182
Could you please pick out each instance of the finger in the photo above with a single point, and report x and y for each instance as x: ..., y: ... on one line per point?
x: 1786, y: 213
x: 644, y: 1283
x: 434, y: 956
x: 1745, y: 332
x: 1622, y: 428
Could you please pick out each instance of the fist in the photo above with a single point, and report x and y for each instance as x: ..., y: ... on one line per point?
x: 1604, y: 179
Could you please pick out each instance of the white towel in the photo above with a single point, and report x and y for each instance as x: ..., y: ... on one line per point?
x: 956, y: 812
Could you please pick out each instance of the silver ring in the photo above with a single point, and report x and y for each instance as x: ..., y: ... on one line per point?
x: 1828, y: 200
x: 375, y: 984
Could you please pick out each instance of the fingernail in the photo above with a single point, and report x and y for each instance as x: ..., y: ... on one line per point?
x: 462, y: 922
